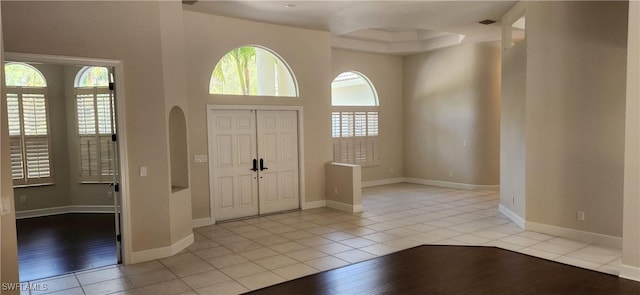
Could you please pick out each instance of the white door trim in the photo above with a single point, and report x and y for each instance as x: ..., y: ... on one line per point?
x: 298, y: 109
x: 122, y: 128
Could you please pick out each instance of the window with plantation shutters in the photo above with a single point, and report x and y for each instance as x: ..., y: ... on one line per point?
x: 96, y: 123
x: 354, y: 120
x: 27, y: 112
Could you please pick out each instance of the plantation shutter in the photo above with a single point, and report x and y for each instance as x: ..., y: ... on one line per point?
x: 355, y: 137
x: 29, y: 136
x: 96, y: 124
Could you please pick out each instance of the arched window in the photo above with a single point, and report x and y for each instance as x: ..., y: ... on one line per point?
x: 353, y: 89
x: 28, y: 116
x: 95, y: 113
x: 354, y: 120
x: 92, y: 77
x: 19, y: 74
x: 253, y: 70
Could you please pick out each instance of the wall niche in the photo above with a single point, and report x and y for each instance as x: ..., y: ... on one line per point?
x: 178, y: 150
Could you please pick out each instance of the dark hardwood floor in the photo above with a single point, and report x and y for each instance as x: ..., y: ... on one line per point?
x: 59, y: 244
x: 435, y: 269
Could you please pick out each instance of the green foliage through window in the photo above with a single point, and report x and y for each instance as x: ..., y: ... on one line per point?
x: 93, y: 77
x: 250, y: 70
x: 23, y: 75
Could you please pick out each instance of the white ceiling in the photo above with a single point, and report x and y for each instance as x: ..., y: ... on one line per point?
x: 395, y: 27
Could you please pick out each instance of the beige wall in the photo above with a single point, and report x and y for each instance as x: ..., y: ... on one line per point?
x: 343, y: 183
x: 576, y: 77
x: 451, y: 96
x: 513, y: 117
x: 207, y: 39
x: 386, y: 75
x: 127, y: 31
x: 8, y: 244
x: 631, y: 213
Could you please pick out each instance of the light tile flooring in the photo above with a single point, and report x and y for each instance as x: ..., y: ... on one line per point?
x: 239, y: 256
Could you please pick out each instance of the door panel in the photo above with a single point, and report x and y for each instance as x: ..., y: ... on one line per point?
x: 235, y: 187
x: 278, y: 147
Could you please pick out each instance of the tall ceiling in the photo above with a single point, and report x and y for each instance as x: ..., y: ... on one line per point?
x: 394, y: 27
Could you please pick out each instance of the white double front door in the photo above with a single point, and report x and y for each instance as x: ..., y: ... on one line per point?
x: 254, y: 162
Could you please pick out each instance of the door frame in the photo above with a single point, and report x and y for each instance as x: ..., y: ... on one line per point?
x: 125, y: 225
x: 300, y: 113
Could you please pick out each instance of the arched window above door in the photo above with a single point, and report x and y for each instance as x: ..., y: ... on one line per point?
x: 253, y: 71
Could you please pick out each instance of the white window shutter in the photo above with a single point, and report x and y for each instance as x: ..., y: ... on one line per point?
x: 355, y: 137
x: 335, y: 124
x: 85, y: 110
x: 29, y: 136
x: 107, y: 166
x: 88, y: 158
x: 17, y: 162
x: 96, y: 124
x: 13, y: 114
x: 372, y: 123
x: 37, y: 156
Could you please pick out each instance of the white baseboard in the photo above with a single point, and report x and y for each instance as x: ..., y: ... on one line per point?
x: 382, y: 182
x: 162, y: 252
x: 200, y: 222
x: 64, y: 209
x: 455, y: 185
x: 519, y: 221
x: 574, y: 234
x: 314, y: 204
x: 630, y: 272
x: 344, y: 207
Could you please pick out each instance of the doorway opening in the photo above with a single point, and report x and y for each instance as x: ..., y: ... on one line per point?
x: 65, y: 163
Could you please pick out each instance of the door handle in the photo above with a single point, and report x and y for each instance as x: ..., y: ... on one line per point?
x: 262, y: 167
x: 255, y: 165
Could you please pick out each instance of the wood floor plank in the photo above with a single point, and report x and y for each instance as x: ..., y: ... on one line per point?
x: 435, y: 269
x: 59, y: 244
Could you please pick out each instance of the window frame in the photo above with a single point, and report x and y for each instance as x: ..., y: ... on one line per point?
x: 349, y: 148
x: 279, y: 59
x: 25, y: 181
x: 100, y: 138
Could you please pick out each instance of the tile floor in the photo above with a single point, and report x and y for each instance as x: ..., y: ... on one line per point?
x: 239, y: 256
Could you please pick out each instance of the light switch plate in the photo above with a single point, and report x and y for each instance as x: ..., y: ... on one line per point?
x: 143, y: 170
x: 5, y: 206
x: 200, y: 158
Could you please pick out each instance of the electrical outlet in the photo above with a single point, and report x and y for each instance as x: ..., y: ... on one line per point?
x: 451, y: 173
x: 23, y: 199
x: 580, y: 216
x: 391, y: 171
x: 335, y: 191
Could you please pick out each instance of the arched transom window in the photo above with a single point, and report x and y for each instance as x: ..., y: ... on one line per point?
x: 92, y: 77
x: 253, y: 70
x: 354, y: 120
x: 28, y: 118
